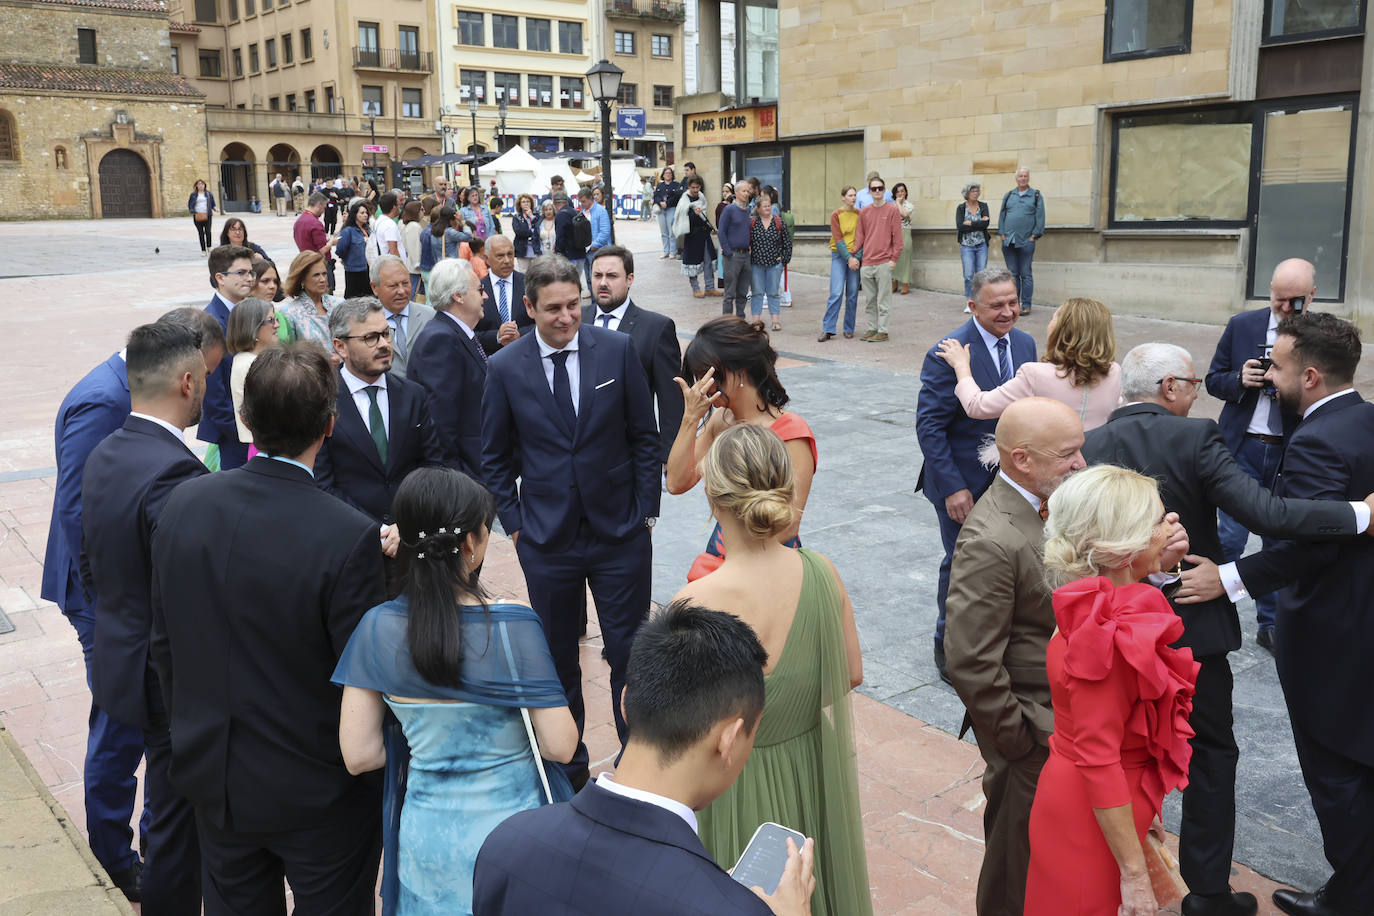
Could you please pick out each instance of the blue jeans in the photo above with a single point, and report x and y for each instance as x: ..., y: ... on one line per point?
x: 844, y: 285
x: 1261, y: 462
x: 766, y: 280
x: 665, y: 231
x: 1019, y: 263
x: 975, y: 259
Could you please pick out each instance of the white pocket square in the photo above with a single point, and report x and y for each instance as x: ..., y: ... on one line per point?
x: 603, y: 385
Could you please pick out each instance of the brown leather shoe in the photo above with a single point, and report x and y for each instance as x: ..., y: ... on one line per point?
x: 825, y: 335
x: 698, y: 294
x: 906, y: 288
x: 848, y: 335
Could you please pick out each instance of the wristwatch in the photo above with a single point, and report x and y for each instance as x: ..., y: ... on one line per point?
x: 650, y: 521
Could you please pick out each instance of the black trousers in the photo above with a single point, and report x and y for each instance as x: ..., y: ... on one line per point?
x: 331, y: 219
x: 171, y: 866
x: 356, y: 283
x: 620, y: 578
x: 331, y: 867
x: 1208, y: 831
x: 1342, y: 790
x: 203, y: 232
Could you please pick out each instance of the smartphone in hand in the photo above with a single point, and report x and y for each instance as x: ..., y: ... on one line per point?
x: 763, y: 860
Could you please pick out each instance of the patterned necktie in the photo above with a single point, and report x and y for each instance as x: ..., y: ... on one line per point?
x: 1003, y: 361
x: 375, y: 421
x: 562, y: 388
x: 1044, y: 510
x: 502, y: 303
x: 476, y: 345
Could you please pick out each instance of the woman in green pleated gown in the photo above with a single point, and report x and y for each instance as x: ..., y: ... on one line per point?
x: 803, y: 772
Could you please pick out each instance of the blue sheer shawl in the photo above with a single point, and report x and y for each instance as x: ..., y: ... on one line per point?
x: 506, y: 662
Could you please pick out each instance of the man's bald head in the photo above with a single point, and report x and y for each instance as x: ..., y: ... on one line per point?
x: 1039, y: 442
x: 501, y: 255
x: 1292, y: 278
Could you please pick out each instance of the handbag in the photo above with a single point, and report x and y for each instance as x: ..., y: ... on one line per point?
x: 1165, y: 878
x: 202, y: 217
x: 538, y: 759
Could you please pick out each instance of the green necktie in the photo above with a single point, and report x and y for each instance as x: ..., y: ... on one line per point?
x: 374, y: 420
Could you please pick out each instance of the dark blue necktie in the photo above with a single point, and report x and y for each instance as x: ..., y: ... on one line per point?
x: 1003, y: 360
x: 562, y: 388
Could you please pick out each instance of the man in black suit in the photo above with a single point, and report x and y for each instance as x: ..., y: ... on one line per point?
x: 503, y: 298
x: 450, y: 365
x: 259, y: 578
x: 628, y: 843
x: 1325, y: 623
x: 1153, y: 435
x: 654, y: 335
x: 127, y: 481
x: 383, y: 430
x: 567, y: 410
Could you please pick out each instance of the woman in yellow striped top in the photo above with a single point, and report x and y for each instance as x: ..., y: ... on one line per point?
x: 844, y: 282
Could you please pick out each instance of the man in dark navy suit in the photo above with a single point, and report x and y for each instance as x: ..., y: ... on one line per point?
x: 567, y: 409
x: 628, y: 843
x: 95, y: 407
x: 127, y: 481
x: 231, y: 275
x: 449, y: 363
x: 952, y: 476
x: 654, y: 335
x: 503, y: 298
x: 1325, y: 623
x: 383, y: 430
x: 1252, y: 422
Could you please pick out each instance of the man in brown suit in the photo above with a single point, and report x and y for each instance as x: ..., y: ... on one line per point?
x: 998, y: 622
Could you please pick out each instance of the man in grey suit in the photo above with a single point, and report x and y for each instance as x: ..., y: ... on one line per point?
x: 391, y: 284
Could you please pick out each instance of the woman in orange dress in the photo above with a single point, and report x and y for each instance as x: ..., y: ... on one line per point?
x: 730, y: 365
x: 1122, y: 698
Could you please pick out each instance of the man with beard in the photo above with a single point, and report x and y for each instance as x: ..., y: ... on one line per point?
x: 127, y: 481
x: 1197, y: 475
x: 654, y: 335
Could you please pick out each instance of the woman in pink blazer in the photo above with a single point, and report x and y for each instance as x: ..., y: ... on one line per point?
x: 1077, y: 368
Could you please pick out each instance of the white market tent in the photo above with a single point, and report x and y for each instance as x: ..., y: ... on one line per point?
x: 515, y: 171
x: 551, y: 167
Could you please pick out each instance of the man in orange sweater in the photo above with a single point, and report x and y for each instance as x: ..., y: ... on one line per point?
x: 877, y: 246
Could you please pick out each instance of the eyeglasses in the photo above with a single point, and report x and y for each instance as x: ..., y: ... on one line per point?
x: 1179, y: 378
x: 270, y: 319
x: 241, y: 274
x: 371, y: 339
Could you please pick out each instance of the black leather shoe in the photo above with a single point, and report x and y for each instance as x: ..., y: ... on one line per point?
x: 940, y: 664
x: 130, y: 881
x: 1299, y: 903
x: 1265, y: 639
x: 1230, y: 903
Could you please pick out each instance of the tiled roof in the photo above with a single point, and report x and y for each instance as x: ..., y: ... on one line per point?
x: 186, y: 27
x: 137, y: 6
x: 130, y: 83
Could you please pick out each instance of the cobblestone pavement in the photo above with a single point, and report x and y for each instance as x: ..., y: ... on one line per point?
x: 70, y: 291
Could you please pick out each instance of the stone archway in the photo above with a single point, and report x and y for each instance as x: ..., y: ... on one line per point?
x: 283, y: 158
x: 326, y: 163
x: 125, y: 186
x: 238, y: 183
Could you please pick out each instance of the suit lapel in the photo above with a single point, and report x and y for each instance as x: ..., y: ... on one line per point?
x: 397, y: 409
x: 1020, y: 515
x: 980, y: 361
x: 534, y: 375
x: 627, y: 324
x: 586, y: 375
x: 351, y: 424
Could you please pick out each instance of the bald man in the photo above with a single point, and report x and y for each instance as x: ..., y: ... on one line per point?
x: 998, y: 622
x: 504, y: 317
x: 1252, y: 425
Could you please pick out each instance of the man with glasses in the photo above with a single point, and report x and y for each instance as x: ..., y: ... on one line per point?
x: 877, y: 246
x: 383, y: 430
x: 231, y: 275
x: 1152, y: 434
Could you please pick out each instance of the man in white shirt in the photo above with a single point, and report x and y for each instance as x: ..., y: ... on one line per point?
x: 385, y: 230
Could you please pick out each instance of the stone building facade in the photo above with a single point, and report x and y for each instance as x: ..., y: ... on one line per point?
x: 92, y: 120
x: 1182, y: 147
x: 645, y: 39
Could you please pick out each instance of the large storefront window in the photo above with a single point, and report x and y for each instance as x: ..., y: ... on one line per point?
x: 758, y: 50
x: 818, y: 172
x: 1185, y: 168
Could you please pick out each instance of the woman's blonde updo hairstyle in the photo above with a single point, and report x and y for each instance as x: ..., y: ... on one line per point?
x: 1100, y: 518
x: 748, y: 472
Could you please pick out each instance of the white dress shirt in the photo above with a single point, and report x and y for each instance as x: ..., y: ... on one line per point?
x: 458, y: 321
x: 358, y: 388
x: 607, y: 782
x: 990, y: 341
x: 616, y: 316
x: 228, y: 306
x: 400, y: 320
x: 1027, y: 495
x: 496, y: 285
x: 1259, y: 420
x: 1230, y: 577
x: 545, y: 351
x: 180, y: 434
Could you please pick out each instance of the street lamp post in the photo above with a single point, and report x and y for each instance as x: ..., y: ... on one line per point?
x: 604, y: 82
x: 501, y: 127
x: 372, y: 128
x: 472, y: 107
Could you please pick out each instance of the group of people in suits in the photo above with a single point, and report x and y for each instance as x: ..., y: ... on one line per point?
x: 997, y: 614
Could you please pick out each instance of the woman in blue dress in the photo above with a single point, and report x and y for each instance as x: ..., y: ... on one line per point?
x: 470, y: 684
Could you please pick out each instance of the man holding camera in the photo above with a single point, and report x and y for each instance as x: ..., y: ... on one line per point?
x: 1251, y: 421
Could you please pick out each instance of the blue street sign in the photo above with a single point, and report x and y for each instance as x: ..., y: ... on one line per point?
x: 630, y: 122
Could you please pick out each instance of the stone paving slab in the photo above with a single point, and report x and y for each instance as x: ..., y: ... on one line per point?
x: 919, y: 785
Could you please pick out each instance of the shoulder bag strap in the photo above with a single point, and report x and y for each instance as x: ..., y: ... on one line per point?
x: 538, y: 760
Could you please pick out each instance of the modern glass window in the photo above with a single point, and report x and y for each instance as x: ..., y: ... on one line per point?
x: 411, y: 103
x: 758, y: 51
x: 629, y: 94
x: 253, y: 65
x: 541, y: 91
x: 505, y: 31
x: 570, y: 92
x: 372, y: 101
x: 1286, y: 20
x: 310, y: 100
x: 624, y: 42
x: 663, y: 96
x: 472, y: 84
x: 307, y: 48
x: 288, y: 53
x: 408, y: 44
x: 270, y: 47
x: 1148, y: 28
x: 238, y: 61
x: 1182, y: 169
x: 570, y: 37
x: 507, y: 88
x: 537, y: 35
x: 209, y: 63
x: 661, y: 45
x: 85, y: 46
x: 470, y: 31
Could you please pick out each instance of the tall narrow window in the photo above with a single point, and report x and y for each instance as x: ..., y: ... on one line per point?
x: 411, y: 103
x: 291, y: 101
x: 368, y: 54
x: 1148, y: 28
x: 541, y: 91
x: 307, y: 49
x: 470, y: 31
x: 238, y: 62
x: 85, y: 46
x: 329, y: 99
x: 253, y: 65
x: 288, y: 54
x: 408, y: 45
x: 570, y: 92
x: 537, y: 35
x: 176, y: 59
x: 270, y: 47
x: 9, y: 145
x: 310, y: 100
x: 570, y: 37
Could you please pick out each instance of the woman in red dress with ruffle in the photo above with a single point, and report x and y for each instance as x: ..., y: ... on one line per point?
x: 1122, y: 698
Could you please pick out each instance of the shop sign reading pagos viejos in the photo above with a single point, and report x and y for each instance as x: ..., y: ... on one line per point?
x: 741, y: 125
